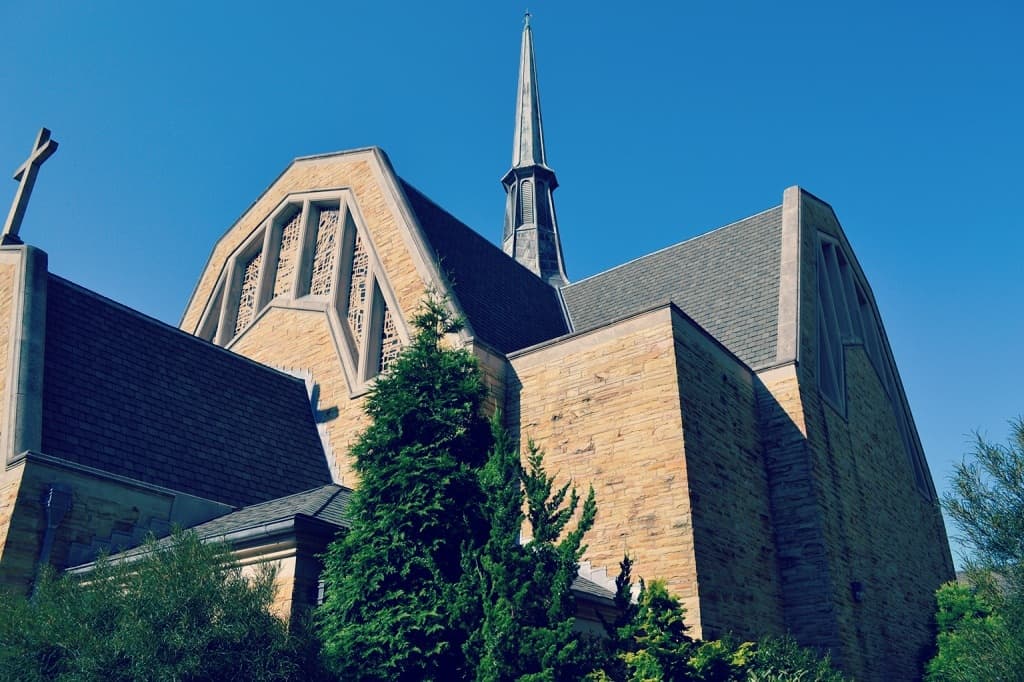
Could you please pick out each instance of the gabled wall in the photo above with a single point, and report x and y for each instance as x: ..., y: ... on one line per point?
x: 861, y: 539
x: 309, y: 335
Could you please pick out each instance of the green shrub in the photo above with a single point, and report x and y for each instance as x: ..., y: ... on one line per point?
x: 183, y: 611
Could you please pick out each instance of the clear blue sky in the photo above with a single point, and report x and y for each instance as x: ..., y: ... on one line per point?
x: 663, y: 120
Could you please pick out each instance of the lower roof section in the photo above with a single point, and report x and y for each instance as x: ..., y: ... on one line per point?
x: 129, y: 395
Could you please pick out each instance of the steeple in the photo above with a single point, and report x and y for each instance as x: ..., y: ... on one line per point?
x: 531, y: 231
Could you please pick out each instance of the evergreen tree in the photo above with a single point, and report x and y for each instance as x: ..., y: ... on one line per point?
x: 525, y: 588
x: 397, y: 606
x: 658, y: 646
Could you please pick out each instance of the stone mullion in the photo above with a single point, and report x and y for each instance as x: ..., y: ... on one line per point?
x: 229, y: 303
x: 265, y: 284
x: 304, y: 257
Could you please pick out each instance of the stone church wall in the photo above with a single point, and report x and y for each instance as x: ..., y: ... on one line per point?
x: 9, y: 478
x: 663, y: 422
x: 301, y: 341
x: 103, y: 511
x: 604, y: 408
x: 881, y: 538
x: 882, y: 534
x: 737, y: 576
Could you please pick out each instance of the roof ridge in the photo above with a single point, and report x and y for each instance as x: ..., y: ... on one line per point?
x: 160, y: 323
x: 275, y: 500
x: 672, y: 246
x: 330, y: 498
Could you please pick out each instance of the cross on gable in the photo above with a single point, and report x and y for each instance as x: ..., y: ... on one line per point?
x: 26, y: 176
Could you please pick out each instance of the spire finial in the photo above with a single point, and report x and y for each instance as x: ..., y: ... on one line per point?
x: 526, y: 18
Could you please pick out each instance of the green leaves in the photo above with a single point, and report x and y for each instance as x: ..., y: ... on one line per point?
x: 528, y: 607
x: 431, y: 581
x: 981, y: 625
x: 396, y: 600
x: 183, y: 611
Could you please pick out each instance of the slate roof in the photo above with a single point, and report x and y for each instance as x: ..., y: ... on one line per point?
x: 727, y: 280
x: 327, y: 503
x: 132, y: 396
x: 586, y: 586
x: 507, y: 305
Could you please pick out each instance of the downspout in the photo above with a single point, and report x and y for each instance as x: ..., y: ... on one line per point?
x: 56, y: 503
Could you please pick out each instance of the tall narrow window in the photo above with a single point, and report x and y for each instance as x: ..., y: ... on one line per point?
x: 390, y: 343
x: 288, y: 255
x: 357, y: 291
x: 247, y: 295
x: 830, y: 342
x: 528, y: 201
x: 323, y: 253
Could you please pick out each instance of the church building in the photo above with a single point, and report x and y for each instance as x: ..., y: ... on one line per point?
x: 733, y: 399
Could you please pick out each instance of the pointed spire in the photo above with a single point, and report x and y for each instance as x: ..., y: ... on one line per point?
x: 531, y: 231
x: 528, y: 146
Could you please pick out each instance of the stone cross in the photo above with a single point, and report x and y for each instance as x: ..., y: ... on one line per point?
x: 26, y: 176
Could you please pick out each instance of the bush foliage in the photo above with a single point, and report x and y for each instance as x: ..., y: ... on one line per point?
x: 649, y: 643
x: 181, y: 612
x: 981, y: 623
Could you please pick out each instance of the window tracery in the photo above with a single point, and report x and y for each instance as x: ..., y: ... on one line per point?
x: 247, y: 294
x: 390, y: 343
x: 357, y: 291
x: 324, y: 252
x: 312, y: 247
x: 846, y: 316
x: 288, y: 255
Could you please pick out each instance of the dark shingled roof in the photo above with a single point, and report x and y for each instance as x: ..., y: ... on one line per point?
x: 132, y: 396
x: 507, y: 305
x: 588, y: 587
x: 726, y: 280
x: 327, y: 503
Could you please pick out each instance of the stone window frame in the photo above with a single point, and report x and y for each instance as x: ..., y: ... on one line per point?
x: 853, y: 320
x: 361, y: 362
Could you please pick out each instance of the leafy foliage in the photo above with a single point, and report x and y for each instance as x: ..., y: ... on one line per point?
x: 659, y: 648
x: 975, y: 641
x: 781, y: 659
x: 397, y: 606
x: 986, y: 501
x: 525, y: 588
x: 184, y: 611
x: 981, y: 625
x: 650, y: 643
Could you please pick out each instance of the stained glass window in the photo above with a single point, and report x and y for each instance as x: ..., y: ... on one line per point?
x: 247, y: 297
x: 323, y: 254
x: 288, y: 255
x: 357, y: 291
x: 390, y: 343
